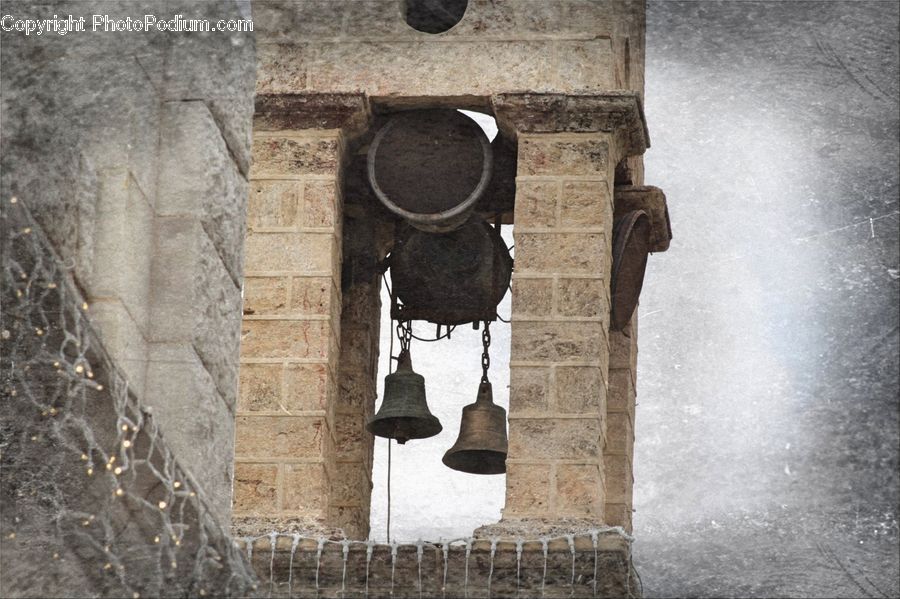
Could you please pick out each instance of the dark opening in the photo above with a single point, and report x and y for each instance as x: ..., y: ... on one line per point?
x: 434, y: 16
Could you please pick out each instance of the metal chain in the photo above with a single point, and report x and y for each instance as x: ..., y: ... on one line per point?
x: 404, y: 334
x: 485, y: 356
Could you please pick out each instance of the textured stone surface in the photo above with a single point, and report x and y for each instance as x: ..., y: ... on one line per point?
x: 274, y: 203
x: 558, y: 341
x: 562, y: 438
x: 580, y: 389
x: 527, y: 489
x: 290, y: 253
x: 651, y: 200
x: 304, y: 488
x: 586, y: 204
x: 279, y: 436
x: 564, y: 253
x: 529, y: 389
x: 579, y: 490
x: 255, y: 488
x: 583, y: 297
x: 276, y: 155
x: 533, y: 297
x: 286, y: 338
x: 195, y: 299
x: 199, y: 178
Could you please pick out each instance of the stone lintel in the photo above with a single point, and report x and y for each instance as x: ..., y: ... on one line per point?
x: 618, y: 112
x: 276, y: 112
x: 651, y: 200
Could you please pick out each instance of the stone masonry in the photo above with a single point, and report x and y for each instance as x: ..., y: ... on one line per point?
x: 132, y: 150
x: 564, y: 80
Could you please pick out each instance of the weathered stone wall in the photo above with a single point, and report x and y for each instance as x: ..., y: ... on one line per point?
x: 498, y: 46
x: 132, y: 150
x: 560, y: 345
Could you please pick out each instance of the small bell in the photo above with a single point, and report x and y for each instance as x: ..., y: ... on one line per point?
x: 404, y: 413
x: 481, y: 447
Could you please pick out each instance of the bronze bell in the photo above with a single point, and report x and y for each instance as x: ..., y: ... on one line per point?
x: 481, y: 447
x: 404, y: 413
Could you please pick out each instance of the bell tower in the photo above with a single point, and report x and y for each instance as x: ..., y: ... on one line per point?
x: 347, y: 92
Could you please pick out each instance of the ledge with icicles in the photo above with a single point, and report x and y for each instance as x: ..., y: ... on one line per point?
x: 593, y: 563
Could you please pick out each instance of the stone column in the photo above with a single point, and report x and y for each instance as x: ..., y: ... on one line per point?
x: 568, y: 147
x: 285, y: 456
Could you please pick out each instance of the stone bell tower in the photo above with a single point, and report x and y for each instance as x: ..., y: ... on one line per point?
x: 564, y: 80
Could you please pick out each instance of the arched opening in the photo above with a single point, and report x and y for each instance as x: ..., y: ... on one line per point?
x: 434, y: 16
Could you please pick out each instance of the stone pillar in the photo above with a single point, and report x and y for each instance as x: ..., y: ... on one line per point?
x: 286, y: 467
x: 620, y: 404
x: 559, y: 350
x: 568, y: 147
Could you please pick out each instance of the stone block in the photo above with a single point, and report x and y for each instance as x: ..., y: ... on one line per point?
x: 273, y: 437
x: 536, y: 203
x: 583, y: 298
x: 277, y: 156
x: 286, y: 20
x: 354, y: 521
x: 618, y: 514
x: 320, y: 199
x: 313, y: 295
x: 196, y: 421
x: 623, y: 349
x: 194, y: 298
x: 558, y: 341
x: 579, y: 490
x: 620, y: 397
x: 416, y: 67
x: 123, y: 245
x: 586, y: 204
x: 285, y: 339
x: 529, y: 389
x: 304, y: 489
x: 122, y: 338
x: 561, y: 155
x: 274, y: 203
x: 357, y: 388
x: 527, y: 490
x: 306, y: 387
x: 349, y: 483
x: 554, y: 438
x: 282, y: 68
x: 260, y: 388
x: 532, y: 297
x: 562, y: 253
x: 298, y: 253
x: 266, y: 295
x: 580, y: 390
x: 352, y: 440
x: 198, y: 178
x: 587, y: 65
x: 619, y: 433
x: 255, y: 489
x: 619, y: 479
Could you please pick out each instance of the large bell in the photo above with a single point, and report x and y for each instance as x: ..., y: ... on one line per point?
x: 404, y: 412
x: 481, y: 447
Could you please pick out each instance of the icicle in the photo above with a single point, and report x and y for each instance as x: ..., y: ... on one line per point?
x: 466, y: 580
x: 519, y: 544
x: 294, y: 544
x: 594, y: 538
x: 273, y: 538
x: 319, y: 547
x: 346, y: 551
x: 393, y: 564
x: 420, y: 549
x: 571, y: 540
x: 491, y: 571
x: 545, y: 542
x: 249, y: 541
x: 370, y: 548
x: 446, y: 552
